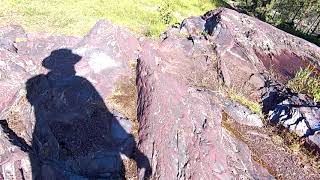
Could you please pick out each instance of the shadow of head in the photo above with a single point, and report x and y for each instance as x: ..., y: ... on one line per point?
x: 61, y: 59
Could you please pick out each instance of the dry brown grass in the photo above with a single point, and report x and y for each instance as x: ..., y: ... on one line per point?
x: 275, y: 148
x: 124, y: 100
x: 124, y: 97
x: 307, y: 152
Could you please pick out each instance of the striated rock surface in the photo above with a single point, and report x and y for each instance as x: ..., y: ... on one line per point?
x: 248, y: 47
x: 80, y: 108
x: 175, y: 78
x: 181, y: 127
x: 251, y: 55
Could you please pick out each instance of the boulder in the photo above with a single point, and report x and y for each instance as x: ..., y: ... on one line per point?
x: 56, y: 103
x: 181, y: 129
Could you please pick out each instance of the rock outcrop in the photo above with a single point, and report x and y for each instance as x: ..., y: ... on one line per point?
x: 66, y: 114
x: 79, y: 108
x: 181, y: 127
x: 178, y: 79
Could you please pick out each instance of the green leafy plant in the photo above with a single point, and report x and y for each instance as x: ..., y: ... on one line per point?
x: 306, y: 81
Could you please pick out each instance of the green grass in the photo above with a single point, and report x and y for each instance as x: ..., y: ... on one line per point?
x: 306, y: 81
x: 253, y: 106
x: 76, y: 17
x: 237, y: 96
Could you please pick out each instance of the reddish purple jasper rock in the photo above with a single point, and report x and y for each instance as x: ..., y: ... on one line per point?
x: 180, y: 113
x: 181, y: 131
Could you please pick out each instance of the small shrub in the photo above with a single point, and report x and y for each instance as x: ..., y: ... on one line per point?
x: 166, y: 12
x: 307, y: 82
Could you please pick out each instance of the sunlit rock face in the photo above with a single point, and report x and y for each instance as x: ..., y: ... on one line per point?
x: 184, y: 124
x: 179, y: 80
x: 77, y: 108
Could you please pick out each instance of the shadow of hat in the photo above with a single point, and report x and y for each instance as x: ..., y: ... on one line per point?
x: 60, y: 58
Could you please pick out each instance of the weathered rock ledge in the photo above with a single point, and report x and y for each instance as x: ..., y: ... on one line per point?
x: 72, y: 107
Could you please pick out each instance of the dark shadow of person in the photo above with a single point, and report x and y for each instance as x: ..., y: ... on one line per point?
x: 75, y: 136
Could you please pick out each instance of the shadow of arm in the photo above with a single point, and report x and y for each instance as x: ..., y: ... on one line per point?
x: 144, y: 168
x: 14, y: 138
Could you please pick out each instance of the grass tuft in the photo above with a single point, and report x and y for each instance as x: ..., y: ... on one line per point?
x: 306, y: 81
x: 253, y: 106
